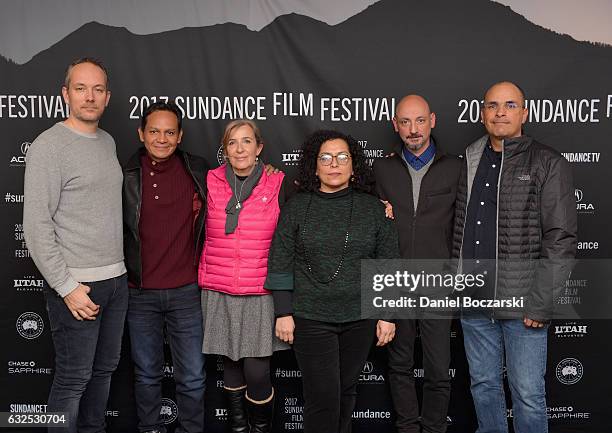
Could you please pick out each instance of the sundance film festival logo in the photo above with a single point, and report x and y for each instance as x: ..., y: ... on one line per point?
x: 28, y: 284
x: 570, y: 330
x: 30, y: 325
x: 582, y: 206
x: 169, y: 411
x: 294, y: 413
x: 569, y: 371
x: 371, y: 154
x: 20, y: 160
x: 570, y: 294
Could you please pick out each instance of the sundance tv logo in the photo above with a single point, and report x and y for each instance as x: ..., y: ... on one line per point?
x: 30, y: 325
x: 569, y: 371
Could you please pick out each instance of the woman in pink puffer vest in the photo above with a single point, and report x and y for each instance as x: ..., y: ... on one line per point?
x: 241, y: 215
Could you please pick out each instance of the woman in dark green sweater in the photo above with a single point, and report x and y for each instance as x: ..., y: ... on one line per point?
x: 314, y: 272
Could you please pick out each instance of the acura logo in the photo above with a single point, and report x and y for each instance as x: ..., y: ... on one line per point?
x: 368, y: 367
x: 578, y: 194
x: 24, y: 147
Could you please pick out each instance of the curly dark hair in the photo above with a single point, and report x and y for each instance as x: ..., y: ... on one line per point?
x: 362, y: 179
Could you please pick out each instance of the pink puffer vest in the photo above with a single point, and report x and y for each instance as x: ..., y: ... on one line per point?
x: 238, y: 263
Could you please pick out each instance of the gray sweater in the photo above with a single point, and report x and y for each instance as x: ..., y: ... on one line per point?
x: 72, y: 217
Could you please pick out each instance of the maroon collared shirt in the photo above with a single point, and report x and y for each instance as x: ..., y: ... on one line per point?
x: 166, y: 224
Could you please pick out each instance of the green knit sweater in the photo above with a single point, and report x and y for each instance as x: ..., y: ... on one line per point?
x: 312, y: 230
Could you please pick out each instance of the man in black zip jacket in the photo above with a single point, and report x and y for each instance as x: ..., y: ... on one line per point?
x: 515, y: 221
x: 420, y: 182
x: 164, y: 199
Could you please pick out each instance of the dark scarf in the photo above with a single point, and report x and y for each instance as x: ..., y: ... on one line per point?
x: 245, y: 188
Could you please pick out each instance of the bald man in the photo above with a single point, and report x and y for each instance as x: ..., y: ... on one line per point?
x: 420, y: 182
x: 516, y: 224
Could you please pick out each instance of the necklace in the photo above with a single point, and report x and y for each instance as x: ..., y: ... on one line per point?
x: 344, y: 248
x: 238, y: 204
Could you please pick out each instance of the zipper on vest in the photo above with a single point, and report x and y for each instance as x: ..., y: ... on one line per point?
x: 501, y: 167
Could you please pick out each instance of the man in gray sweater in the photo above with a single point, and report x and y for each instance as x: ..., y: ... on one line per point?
x: 73, y: 228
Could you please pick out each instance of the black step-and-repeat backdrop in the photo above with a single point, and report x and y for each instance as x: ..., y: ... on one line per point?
x: 292, y: 76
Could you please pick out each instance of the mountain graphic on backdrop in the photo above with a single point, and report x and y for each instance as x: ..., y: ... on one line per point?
x: 446, y: 50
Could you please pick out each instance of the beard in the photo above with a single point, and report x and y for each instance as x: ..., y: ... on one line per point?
x: 413, y: 145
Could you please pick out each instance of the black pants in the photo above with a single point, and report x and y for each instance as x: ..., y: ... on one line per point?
x: 331, y: 356
x: 435, y: 340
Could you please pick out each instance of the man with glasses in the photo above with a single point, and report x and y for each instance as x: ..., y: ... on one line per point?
x: 516, y: 224
x: 420, y: 183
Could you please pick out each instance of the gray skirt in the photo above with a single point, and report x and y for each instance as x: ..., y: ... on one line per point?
x: 239, y: 326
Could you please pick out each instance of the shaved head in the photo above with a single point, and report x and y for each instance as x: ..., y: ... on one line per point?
x: 506, y: 84
x: 412, y: 100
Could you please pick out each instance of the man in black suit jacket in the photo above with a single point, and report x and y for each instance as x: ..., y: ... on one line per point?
x: 420, y: 182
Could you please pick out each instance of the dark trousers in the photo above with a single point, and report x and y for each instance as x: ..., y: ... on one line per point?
x: 86, y: 355
x: 331, y: 356
x: 435, y: 340
x: 179, y: 309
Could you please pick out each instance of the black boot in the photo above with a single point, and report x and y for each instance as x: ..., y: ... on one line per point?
x: 260, y: 414
x: 236, y: 410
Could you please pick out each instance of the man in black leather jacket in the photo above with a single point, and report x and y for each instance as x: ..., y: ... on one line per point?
x: 164, y: 200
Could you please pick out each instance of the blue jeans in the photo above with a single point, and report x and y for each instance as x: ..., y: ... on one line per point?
x: 86, y: 354
x: 179, y: 309
x: 486, y: 342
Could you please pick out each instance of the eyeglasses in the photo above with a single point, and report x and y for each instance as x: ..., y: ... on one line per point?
x: 508, y: 105
x: 341, y: 158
